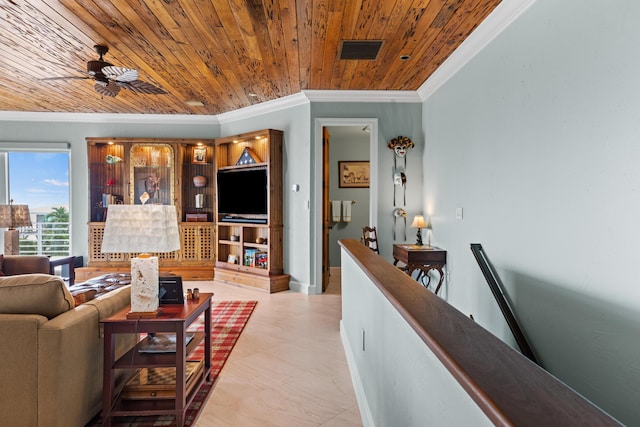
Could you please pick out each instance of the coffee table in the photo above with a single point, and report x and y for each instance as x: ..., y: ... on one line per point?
x: 174, y: 318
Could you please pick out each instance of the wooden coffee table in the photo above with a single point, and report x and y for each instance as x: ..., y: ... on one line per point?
x: 174, y: 319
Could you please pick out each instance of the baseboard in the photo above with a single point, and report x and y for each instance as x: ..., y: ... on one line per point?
x: 363, y: 405
x: 296, y: 286
x: 271, y: 284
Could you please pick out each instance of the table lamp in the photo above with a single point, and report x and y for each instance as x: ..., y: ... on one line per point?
x: 142, y: 229
x: 418, y: 222
x: 12, y: 216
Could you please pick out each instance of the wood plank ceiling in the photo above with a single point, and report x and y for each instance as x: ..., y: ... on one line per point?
x: 227, y: 54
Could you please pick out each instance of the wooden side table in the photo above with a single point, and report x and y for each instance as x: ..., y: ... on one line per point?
x: 174, y: 319
x: 424, y: 258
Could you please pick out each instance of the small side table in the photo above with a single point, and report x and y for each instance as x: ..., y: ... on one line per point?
x: 424, y: 258
x: 174, y: 318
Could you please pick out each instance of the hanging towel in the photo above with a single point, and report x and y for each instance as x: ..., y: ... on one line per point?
x: 335, y: 210
x: 346, y: 210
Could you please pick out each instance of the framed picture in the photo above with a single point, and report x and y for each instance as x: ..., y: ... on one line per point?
x: 199, y: 155
x: 353, y: 174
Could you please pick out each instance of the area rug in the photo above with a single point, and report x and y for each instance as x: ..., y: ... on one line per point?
x: 228, y: 319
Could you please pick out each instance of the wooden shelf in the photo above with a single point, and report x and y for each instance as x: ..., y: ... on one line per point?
x: 171, y: 160
x: 266, y: 146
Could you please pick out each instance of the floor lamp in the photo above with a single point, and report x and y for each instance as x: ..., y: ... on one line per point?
x: 142, y: 229
x: 12, y: 216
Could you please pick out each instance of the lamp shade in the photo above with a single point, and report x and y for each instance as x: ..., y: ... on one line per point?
x: 141, y: 229
x: 418, y: 222
x: 13, y: 216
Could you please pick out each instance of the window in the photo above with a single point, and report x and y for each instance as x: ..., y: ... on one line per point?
x: 40, y: 179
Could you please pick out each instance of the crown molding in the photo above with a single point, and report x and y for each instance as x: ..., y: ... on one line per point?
x: 408, y: 96
x: 22, y: 116
x: 501, y: 17
x: 263, y: 108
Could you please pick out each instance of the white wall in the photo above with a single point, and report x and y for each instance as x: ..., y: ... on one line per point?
x: 537, y: 138
x: 398, y: 380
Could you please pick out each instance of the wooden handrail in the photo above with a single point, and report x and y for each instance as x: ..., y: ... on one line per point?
x: 509, y: 388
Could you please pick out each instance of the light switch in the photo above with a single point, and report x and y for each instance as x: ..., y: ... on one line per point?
x: 295, y: 188
x: 458, y: 213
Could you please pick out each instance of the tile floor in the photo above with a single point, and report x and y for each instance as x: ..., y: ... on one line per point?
x: 288, y: 367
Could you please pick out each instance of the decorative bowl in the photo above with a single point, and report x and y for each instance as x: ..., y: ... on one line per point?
x: 199, y: 181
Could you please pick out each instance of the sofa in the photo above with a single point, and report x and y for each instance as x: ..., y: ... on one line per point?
x: 11, y: 265
x: 51, y: 350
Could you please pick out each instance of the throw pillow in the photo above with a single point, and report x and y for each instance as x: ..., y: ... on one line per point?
x: 82, y: 296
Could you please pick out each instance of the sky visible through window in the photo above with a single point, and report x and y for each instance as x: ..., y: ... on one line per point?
x: 39, y: 179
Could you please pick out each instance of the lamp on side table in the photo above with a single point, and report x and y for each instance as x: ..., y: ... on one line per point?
x: 12, y: 216
x: 142, y: 229
x: 419, y: 223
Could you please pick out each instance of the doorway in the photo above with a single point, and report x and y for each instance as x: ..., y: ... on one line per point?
x: 321, y: 200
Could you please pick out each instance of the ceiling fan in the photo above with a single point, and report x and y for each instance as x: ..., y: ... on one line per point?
x: 109, y: 79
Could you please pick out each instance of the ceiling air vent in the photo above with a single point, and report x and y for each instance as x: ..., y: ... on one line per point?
x: 360, y: 49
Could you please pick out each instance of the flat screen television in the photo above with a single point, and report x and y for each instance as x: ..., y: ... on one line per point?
x: 242, y: 192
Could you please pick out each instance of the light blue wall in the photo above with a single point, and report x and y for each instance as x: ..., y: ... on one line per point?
x: 340, y: 149
x: 74, y: 133
x: 393, y: 119
x: 295, y: 124
x: 537, y: 138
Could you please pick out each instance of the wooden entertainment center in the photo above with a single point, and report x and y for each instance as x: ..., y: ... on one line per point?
x: 183, y: 172
x: 237, y: 258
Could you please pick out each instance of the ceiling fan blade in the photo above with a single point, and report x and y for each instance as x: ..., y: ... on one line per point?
x: 106, y: 89
x: 141, y: 87
x: 67, y: 78
x: 120, y: 74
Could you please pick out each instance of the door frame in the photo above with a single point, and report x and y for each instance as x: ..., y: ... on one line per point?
x: 316, y: 223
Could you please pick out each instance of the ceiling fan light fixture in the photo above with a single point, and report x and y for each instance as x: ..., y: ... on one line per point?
x: 95, y: 67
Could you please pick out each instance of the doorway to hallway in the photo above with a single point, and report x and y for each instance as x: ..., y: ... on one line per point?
x: 328, y: 231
